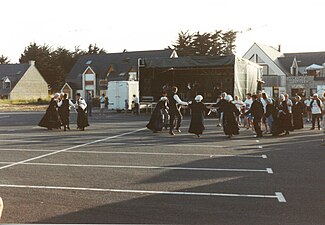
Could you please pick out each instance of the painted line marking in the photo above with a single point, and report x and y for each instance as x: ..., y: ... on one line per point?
x: 70, y: 148
x: 260, y: 146
x: 21, y: 141
x: 278, y: 195
x: 138, y: 153
x: 2, y: 117
x: 267, y: 170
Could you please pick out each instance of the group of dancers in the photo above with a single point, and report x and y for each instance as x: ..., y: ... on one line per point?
x: 279, y: 116
x: 58, y: 113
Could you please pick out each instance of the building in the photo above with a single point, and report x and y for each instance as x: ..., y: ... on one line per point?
x: 22, y: 82
x: 292, y: 73
x: 204, y: 75
x: 92, y: 73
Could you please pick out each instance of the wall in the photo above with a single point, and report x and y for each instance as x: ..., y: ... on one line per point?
x: 31, y: 86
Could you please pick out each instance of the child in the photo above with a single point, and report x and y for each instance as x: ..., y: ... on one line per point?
x: 126, y: 106
x: 133, y: 108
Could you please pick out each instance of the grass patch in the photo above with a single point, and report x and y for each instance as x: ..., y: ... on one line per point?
x: 25, y: 102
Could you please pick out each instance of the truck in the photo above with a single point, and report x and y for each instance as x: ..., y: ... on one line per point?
x: 119, y: 91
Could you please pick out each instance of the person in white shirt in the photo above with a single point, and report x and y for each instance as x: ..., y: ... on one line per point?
x: 136, y: 104
x: 102, y: 103
x: 264, y: 101
x: 174, y: 111
x: 1, y: 207
x: 64, y: 105
x: 316, y: 111
x: 308, y: 108
x: 81, y: 105
x: 239, y: 105
x: 248, y: 103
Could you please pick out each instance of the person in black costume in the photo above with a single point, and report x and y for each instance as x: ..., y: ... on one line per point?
x: 284, y: 117
x: 51, y: 118
x: 230, y: 113
x: 174, y: 111
x: 220, y: 104
x: 157, y: 119
x: 257, y: 112
x: 198, y: 110
x: 82, y: 119
x: 271, y: 115
x: 297, y: 113
x: 64, y: 111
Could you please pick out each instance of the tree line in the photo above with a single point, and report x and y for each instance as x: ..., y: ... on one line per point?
x: 55, y: 63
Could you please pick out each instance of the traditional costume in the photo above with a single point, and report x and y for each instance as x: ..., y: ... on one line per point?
x: 284, y: 117
x: 51, y: 118
x: 64, y: 112
x: 198, y: 110
x: 82, y: 119
x: 297, y: 114
x: 230, y: 112
x: 157, y: 118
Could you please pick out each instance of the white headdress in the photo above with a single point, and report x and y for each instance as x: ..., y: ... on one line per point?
x: 198, y: 98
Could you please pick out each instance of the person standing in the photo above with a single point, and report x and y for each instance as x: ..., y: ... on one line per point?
x: 51, y: 118
x: 82, y: 120
x: 89, y: 102
x: 174, y: 111
x: 1, y: 207
x: 239, y: 105
x: 248, y: 103
x: 284, y: 118
x: 257, y: 113
x: 102, y: 103
x: 289, y: 104
x: 297, y: 113
x: 136, y: 104
x: 220, y: 104
x: 271, y: 115
x: 316, y: 111
x: 264, y: 101
x: 308, y: 108
x: 64, y: 111
x: 198, y: 110
x: 230, y: 112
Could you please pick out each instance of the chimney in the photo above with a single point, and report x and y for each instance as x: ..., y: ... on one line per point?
x: 279, y: 48
x: 32, y: 62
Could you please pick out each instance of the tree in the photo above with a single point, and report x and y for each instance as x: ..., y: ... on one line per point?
x: 56, y: 64
x: 4, y: 60
x: 183, y: 44
x: 206, y: 44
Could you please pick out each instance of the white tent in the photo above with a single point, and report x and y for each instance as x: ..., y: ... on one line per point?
x: 314, y: 67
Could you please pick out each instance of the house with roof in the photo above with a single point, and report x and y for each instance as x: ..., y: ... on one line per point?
x: 22, y: 82
x: 292, y: 73
x: 91, y: 73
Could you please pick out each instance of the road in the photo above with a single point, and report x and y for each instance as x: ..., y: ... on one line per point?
x: 119, y: 172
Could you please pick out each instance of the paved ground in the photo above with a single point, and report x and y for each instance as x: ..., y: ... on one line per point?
x: 118, y: 172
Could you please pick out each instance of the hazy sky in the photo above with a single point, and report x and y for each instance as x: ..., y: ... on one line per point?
x: 154, y: 24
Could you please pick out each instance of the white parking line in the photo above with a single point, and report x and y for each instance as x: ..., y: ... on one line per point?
x: 70, y: 148
x: 267, y: 170
x: 278, y: 195
x: 2, y: 117
x: 139, y: 153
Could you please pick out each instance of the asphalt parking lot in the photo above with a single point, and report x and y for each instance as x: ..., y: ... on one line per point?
x: 119, y: 172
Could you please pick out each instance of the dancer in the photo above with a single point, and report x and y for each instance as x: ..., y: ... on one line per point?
x: 51, y: 118
x: 174, y: 111
x: 230, y: 112
x: 220, y: 104
x: 64, y: 105
x: 82, y: 120
x: 198, y: 110
x: 156, y: 122
x: 257, y: 112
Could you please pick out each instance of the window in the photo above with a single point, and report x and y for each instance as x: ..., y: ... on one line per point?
x: 6, y: 83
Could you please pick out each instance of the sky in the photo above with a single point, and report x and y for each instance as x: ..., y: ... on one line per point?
x: 135, y: 25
